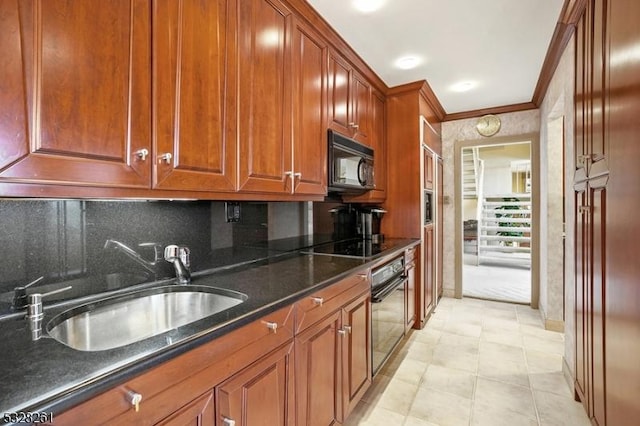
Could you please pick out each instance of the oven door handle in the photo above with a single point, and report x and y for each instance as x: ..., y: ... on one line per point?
x: 381, y: 294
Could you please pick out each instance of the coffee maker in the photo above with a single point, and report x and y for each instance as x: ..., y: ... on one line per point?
x: 369, y: 223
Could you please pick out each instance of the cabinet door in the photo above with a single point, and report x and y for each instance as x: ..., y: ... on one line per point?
x: 264, y: 96
x: 260, y: 395
x: 439, y: 227
x: 428, y: 169
x: 309, y: 111
x: 582, y: 96
x: 360, y: 118
x: 339, y: 95
x: 426, y: 297
x: 583, y: 296
x: 410, y: 296
x: 356, y: 353
x: 189, y: 90
x: 75, y: 92
x: 377, y: 141
x: 318, y: 375
x: 200, y: 412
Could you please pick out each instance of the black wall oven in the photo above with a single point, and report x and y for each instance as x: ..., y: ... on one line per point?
x: 388, y: 284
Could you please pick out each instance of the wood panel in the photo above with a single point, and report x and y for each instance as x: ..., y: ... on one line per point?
x: 309, y: 111
x: 439, y: 228
x: 191, y: 41
x: 356, y: 354
x: 76, y: 105
x: 260, y: 395
x: 410, y: 296
x: 264, y: 96
x: 425, y: 292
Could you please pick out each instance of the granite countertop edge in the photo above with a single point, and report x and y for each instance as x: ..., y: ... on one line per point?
x: 101, y: 382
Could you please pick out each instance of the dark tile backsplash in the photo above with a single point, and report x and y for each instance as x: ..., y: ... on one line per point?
x: 65, y: 239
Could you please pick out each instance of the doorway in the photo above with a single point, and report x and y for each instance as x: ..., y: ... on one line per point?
x: 495, y: 236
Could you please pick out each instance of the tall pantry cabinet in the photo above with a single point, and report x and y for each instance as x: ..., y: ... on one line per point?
x: 413, y: 148
x: 606, y: 179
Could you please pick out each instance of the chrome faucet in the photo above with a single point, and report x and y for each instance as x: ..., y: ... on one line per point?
x: 35, y: 312
x: 179, y: 257
x: 135, y: 256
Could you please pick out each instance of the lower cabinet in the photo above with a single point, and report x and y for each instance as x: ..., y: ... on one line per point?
x: 333, y: 364
x: 261, y: 394
x: 199, y: 412
x: 312, y: 371
x: 410, y: 290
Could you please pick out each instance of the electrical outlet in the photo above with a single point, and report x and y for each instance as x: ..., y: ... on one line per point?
x: 233, y: 211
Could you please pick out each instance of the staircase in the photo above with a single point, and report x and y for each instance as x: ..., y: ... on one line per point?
x: 504, y: 230
x: 470, y: 173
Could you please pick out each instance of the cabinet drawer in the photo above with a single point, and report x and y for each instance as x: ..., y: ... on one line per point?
x: 318, y: 305
x: 177, y: 382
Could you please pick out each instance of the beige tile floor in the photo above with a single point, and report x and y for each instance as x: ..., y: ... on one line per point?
x: 476, y: 362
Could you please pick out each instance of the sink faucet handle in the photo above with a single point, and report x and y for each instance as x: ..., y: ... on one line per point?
x: 173, y: 252
x: 184, y: 255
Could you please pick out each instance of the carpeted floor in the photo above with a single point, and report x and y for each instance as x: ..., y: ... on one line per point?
x: 493, y: 282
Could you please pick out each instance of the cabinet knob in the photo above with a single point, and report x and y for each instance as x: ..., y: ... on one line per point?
x: 166, y: 158
x: 142, y: 154
x: 347, y: 328
x: 228, y: 422
x: 134, y: 399
x: 353, y: 125
x: 342, y: 332
x: 318, y: 301
x: 273, y: 326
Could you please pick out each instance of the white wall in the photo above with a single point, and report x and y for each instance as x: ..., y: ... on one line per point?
x: 558, y: 102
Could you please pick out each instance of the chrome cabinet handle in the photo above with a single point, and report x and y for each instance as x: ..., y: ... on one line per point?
x: 273, y: 326
x: 166, y: 157
x: 347, y: 328
x: 318, y: 301
x: 353, y: 125
x: 297, y: 175
x: 342, y: 332
x: 228, y: 422
x: 142, y: 154
x: 134, y: 399
x: 363, y: 277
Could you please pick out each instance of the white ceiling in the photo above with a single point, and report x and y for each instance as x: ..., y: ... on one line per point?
x: 499, y: 45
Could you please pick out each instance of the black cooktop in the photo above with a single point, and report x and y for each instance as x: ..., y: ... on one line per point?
x: 357, y: 248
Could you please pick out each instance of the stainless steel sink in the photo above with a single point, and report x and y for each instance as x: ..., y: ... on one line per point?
x: 122, y: 320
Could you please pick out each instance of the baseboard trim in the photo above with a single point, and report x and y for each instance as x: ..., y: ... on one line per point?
x: 554, y: 325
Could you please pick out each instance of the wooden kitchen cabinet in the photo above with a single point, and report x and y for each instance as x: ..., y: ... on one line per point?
x: 261, y: 394
x: 194, y: 148
x: 333, y: 362
x: 426, y: 288
x: 199, y: 412
x: 410, y: 290
x: 309, y: 128
x: 77, y: 113
x: 349, y: 99
x: 264, y: 96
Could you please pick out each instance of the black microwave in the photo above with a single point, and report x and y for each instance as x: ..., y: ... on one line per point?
x: 350, y: 165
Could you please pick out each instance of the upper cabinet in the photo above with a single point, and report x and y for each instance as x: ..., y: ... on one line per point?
x: 74, y: 92
x: 309, y: 127
x: 193, y: 148
x: 219, y: 99
x: 349, y: 99
x: 264, y: 96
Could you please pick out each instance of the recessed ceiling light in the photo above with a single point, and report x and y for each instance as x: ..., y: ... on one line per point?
x: 463, y: 86
x: 368, y: 6
x: 408, y: 62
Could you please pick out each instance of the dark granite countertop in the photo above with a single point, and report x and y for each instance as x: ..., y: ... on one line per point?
x: 46, y: 375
